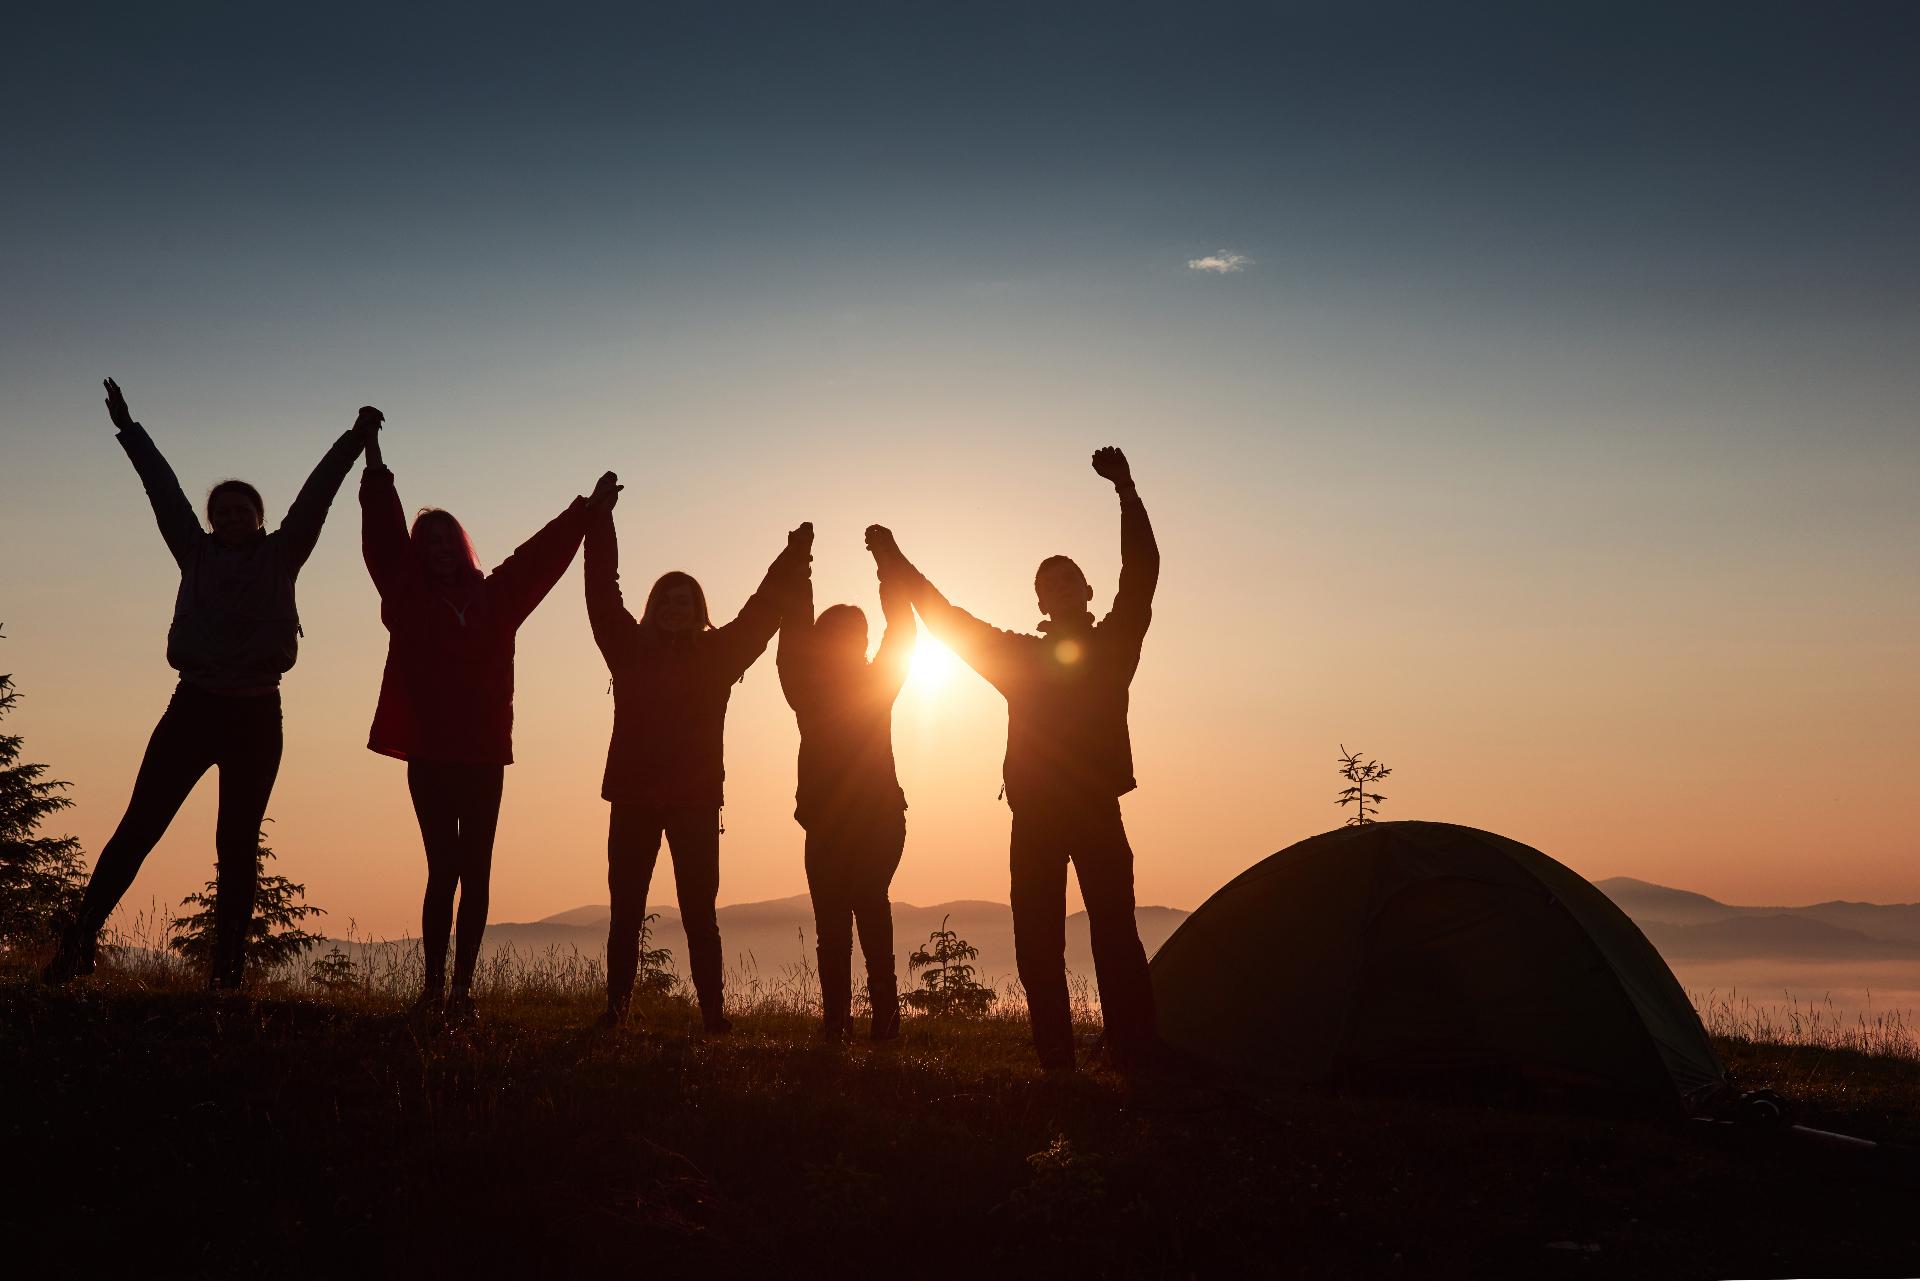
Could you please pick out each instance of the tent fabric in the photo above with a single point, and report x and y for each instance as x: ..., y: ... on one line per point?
x: 1406, y: 947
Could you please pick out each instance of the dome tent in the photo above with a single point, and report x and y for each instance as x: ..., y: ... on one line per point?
x: 1410, y: 947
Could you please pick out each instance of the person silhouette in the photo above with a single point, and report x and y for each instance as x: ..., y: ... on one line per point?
x: 673, y: 673
x: 1068, y: 762
x: 235, y: 632
x: 848, y: 798
x: 446, y: 695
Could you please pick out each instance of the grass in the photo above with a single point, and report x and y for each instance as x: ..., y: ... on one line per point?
x: 304, y: 1132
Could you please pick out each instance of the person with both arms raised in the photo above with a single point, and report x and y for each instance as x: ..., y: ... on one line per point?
x: 673, y: 673
x: 235, y: 632
x: 848, y: 798
x: 1069, y: 760
x: 446, y: 695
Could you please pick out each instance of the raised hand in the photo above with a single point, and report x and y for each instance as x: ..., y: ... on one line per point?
x: 801, y: 539
x: 886, y: 552
x: 1109, y: 462
x: 368, y: 422
x: 117, y: 406
x: 606, y: 492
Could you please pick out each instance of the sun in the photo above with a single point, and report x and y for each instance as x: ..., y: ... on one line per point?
x: 932, y: 665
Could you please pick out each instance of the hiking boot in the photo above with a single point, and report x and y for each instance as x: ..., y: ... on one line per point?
x: 716, y: 1023
x: 72, y: 959
x: 835, y: 1032
x: 886, y: 1025
x: 610, y: 1020
x: 429, y: 1008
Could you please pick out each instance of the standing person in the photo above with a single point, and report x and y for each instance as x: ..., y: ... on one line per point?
x: 235, y: 631
x: 1068, y: 763
x: 849, y: 799
x: 673, y: 672
x: 446, y: 695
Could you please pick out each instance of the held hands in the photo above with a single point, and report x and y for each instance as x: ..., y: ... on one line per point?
x: 801, y: 539
x: 606, y: 492
x: 368, y: 423
x: 886, y: 552
x: 1109, y: 462
x: 117, y: 406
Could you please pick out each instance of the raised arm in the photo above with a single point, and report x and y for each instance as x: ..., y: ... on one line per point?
x: 794, y: 656
x: 383, y: 526
x: 179, y: 526
x: 523, y: 579
x: 1139, y: 553
x: 745, y: 638
x: 614, y: 629
x: 895, y: 656
x: 301, y: 529
x: 986, y: 648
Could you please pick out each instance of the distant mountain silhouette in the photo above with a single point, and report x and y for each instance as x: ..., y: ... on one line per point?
x: 1687, y: 927
x: 772, y: 936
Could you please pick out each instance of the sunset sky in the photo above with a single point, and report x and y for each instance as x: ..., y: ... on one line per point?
x: 1523, y: 395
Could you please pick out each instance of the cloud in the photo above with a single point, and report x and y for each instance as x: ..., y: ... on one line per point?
x: 1223, y: 262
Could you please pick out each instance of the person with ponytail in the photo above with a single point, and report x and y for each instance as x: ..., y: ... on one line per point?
x: 673, y: 673
x: 446, y: 696
x: 235, y: 632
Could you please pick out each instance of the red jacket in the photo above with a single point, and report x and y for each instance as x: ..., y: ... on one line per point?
x: 670, y: 690
x: 447, y: 692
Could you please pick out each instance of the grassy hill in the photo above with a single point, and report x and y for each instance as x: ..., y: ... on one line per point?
x: 153, y: 1128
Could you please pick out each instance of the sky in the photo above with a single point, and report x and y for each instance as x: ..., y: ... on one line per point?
x: 1523, y: 395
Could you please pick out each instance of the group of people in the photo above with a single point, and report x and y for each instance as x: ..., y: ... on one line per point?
x: 446, y: 709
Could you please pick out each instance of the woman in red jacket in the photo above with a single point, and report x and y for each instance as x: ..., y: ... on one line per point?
x: 673, y: 672
x: 446, y: 697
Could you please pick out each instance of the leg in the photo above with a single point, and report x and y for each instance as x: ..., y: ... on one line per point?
x: 478, y: 804
x: 1103, y: 861
x: 633, y: 845
x: 440, y: 834
x: 879, y: 860
x: 1039, y: 867
x: 249, y: 758
x: 178, y: 753
x: 693, y: 836
x: 827, y: 858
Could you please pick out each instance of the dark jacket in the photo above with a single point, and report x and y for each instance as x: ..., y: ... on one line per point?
x: 1066, y: 690
x: 447, y: 691
x: 670, y: 690
x: 845, y: 713
x: 235, y: 624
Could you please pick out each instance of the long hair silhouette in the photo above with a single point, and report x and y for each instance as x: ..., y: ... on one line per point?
x: 426, y: 519
x: 657, y: 597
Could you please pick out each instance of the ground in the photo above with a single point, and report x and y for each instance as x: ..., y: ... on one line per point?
x: 172, y: 1133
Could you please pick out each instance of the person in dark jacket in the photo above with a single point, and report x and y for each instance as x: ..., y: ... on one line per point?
x: 673, y: 672
x: 1069, y: 760
x: 848, y: 798
x: 235, y: 632
x: 446, y: 695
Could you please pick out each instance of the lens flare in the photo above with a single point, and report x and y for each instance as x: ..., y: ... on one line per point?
x: 932, y: 665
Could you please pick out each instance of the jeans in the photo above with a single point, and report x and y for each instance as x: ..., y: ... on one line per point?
x: 850, y: 866
x: 1090, y: 835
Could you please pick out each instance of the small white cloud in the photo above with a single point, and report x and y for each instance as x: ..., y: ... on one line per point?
x: 1224, y: 262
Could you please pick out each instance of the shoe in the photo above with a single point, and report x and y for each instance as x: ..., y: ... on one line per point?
x: 717, y: 1024
x: 610, y: 1021
x: 835, y: 1032
x: 460, y: 1010
x: 431, y: 1007
x: 73, y: 959
x: 886, y: 1027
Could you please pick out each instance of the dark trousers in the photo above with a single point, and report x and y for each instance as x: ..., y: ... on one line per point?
x: 198, y: 731
x: 1090, y: 835
x: 633, y: 846
x: 850, y: 866
x: 458, y: 805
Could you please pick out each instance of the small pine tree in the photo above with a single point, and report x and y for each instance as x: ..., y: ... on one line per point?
x: 41, y: 877
x: 655, y: 976
x: 1360, y: 777
x: 335, y: 972
x: 948, y: 987
x: 274, y: 937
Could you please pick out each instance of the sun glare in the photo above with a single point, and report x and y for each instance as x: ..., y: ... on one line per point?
x: 932, y: 665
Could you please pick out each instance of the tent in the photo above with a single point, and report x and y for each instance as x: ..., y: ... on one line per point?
x: 1411, y: 948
